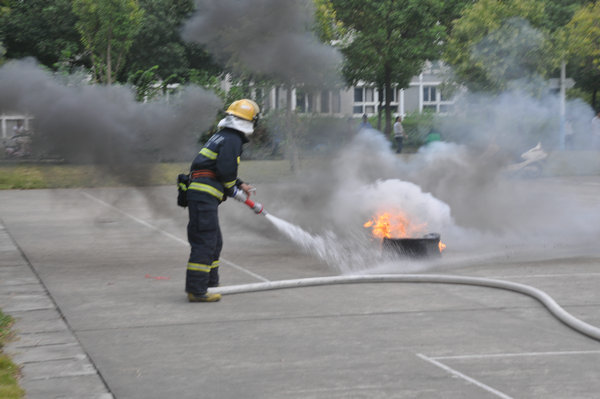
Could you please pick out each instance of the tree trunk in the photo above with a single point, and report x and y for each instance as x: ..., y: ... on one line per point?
x: 108, y: 65
x: 291, y: 146
x: 380, y: 89
x: 388, y: 100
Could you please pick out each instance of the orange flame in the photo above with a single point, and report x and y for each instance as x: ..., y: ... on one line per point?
x: 442, y: 246
x: 386, y: 225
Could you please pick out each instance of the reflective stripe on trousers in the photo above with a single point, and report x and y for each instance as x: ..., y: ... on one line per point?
x: 204, y: 236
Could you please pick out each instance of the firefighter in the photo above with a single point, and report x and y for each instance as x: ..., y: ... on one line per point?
x: 213, y: 177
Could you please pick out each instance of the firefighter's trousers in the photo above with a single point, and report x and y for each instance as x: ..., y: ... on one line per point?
x: 204, y: 236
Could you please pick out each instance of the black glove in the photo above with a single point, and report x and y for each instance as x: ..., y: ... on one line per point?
x: 183, y: 182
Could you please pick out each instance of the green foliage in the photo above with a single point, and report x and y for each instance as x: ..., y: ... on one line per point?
x: 148, y: 85
x: 107, y: 29
x: 5, y: 323
x: 42, y: 29
x: 581, y: 38
x: 2, y: 53
x: 327, y: 27
x: 389, y: 41
x: 208, y: 81
x: 159, y: 43
x: 559, y: 12
x: 416, y: 126
x: 495, y: 42
x: 9, y: 387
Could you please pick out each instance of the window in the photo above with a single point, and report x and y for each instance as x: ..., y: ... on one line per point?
x: 325, y: 101
x: 336, y: 102
x: 304, y: 102
x: 364, y: 100
x: 369, y: 94
x: 358, y: 94
x: 300, y: 101
x: 382, y: 95
x: 429, y: 94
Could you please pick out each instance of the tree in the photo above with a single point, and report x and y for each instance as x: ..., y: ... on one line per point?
x: 4, y: 10
x: 107, y: 28
x: 266, y: 40
x: 495, y: 42
x: 582, y: 38
x: 159, y: 43
x: 42, y: 29
x: 559, y: 12
x: 327, y: 27
x: 390, y: 40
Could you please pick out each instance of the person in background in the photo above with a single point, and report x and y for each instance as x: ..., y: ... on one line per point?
x: 399, y: 134
x: 213, y: 177
x: 365, y: 124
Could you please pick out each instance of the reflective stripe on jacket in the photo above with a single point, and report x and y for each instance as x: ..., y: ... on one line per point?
x: 221, y: 154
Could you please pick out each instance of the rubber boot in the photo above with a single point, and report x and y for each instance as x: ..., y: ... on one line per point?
x: 207, y: 297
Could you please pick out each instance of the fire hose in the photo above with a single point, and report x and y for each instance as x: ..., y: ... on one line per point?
x: 555, y: 309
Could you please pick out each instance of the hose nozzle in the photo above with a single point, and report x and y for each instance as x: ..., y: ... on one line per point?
x: 255, y: 206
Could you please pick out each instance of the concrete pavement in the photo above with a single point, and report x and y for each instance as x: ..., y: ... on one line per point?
x: 95, y: 281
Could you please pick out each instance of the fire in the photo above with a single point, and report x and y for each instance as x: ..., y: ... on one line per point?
x: 442, y: 246
x: 386, y: 225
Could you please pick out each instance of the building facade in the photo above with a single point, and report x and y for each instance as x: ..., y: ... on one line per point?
x: 9, y: 122
x: 423, y: 94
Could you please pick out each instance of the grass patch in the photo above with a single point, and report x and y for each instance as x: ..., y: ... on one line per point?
x: 45, y: 176
x: 9, y: 387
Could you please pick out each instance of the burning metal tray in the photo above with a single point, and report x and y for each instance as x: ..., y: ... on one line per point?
x: 427, y: 246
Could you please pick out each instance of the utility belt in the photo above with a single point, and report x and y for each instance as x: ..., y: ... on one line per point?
x: 185, y: 182
x: 195, y: 174
x: 204, y: 186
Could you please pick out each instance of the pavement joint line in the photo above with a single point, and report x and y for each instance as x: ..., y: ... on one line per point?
x: 167, y: 234
x: 57, y: 344
x: 523, y: 354
x: 464, y: 376
x: 65, y: 375
x: 56, y: 359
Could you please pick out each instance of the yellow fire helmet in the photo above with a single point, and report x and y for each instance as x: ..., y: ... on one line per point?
x: 245, y: 109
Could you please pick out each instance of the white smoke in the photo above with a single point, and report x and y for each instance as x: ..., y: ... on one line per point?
x: 461, y: 191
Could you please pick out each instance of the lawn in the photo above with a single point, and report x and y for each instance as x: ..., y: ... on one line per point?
x: 38, y: 176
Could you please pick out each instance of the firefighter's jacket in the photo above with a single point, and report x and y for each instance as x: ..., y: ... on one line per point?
x: 220, y: 155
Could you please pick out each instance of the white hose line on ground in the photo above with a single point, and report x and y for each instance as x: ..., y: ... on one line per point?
x: 533, y: 292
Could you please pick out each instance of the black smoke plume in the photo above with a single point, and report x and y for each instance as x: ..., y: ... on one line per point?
x: 267, y: 37
x: 104, y: 125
